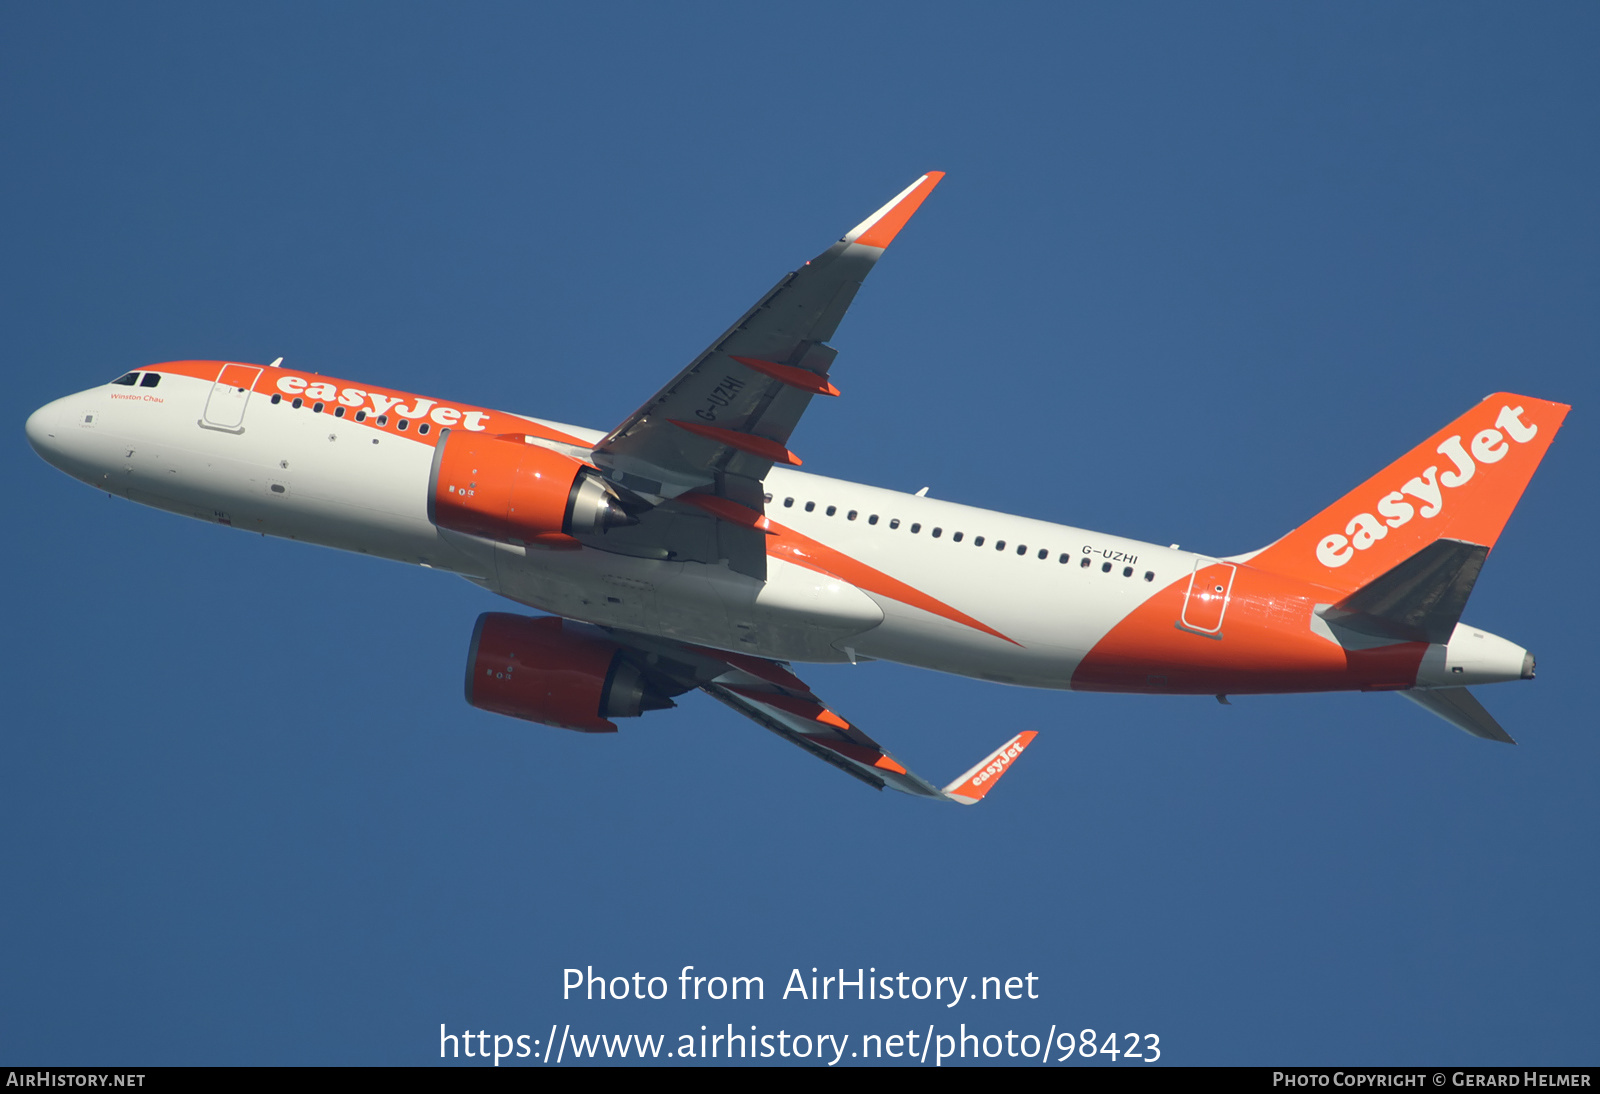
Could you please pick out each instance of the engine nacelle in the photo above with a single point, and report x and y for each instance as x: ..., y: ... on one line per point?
x: 503, y: 488
x: 543, y: 671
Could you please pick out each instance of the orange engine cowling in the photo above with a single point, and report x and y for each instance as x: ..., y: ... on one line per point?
x: 543, y: 671
x: 503, y: 488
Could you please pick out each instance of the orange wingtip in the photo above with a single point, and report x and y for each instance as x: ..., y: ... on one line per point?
x: 970, y: 788
x: 881, y: 227
x: 764, y: 447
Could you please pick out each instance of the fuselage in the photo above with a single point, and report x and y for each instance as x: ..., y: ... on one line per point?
x: 853, y: 571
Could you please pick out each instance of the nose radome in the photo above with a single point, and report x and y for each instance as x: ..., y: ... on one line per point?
x: 41, y: 428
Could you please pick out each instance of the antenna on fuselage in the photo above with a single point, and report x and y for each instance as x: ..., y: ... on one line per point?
x: 276, y: 363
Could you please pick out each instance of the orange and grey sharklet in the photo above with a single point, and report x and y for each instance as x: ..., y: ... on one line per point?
x: 686, y: 549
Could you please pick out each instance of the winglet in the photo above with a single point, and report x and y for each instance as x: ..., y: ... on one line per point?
x: 881, y: 227
x: 972, y: 786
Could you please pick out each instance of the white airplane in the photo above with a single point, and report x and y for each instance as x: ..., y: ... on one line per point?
x: 683, y: 549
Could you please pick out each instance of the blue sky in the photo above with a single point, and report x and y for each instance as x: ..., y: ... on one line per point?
x: 1193, y: 274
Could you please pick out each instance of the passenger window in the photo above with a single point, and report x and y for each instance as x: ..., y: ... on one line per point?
x: 788, y: 503
x: 1105, y: 568
x: 766, y: 499
x: 999, y: 545
x: 937, y: 532
x: 915, y: 528
x: 1046, y: 554
x: 811, y: 506
x: 338, y: 412
x: 977, y: 541
x: 423, y: 429
x: 956, y: 537
x: 832, y: 509
x: 276, y: 398
x: 851, y: 515
x: 128, y: 380
x: 1127, y: 571
x: 316, y: 408
x: 1149, y: 575
x: 1064, y: 558
x: 361, y: 415
x: 895, y: 523
x: 151, y: 379
x: 1085, y: 563
x: 1022, y: 549
x: 873, y: 519
x: 405, y: 424
x: 298, y: 402
x: 383, y: 419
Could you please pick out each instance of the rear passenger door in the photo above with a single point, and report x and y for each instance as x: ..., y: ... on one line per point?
x: 1206, y: 601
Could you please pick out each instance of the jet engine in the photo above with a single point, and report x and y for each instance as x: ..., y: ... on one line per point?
x: 503, y: 488
x: 545, y: 670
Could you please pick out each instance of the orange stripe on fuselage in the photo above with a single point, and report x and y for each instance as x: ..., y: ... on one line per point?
x: 785, y: 543
x: 1265, y: 645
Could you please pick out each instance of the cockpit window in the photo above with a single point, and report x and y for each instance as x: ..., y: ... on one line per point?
x: 126, y: 381
x: 151, y: 379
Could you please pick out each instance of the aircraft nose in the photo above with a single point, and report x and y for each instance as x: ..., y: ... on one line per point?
x: 44, y: 430
x: 41, y: 423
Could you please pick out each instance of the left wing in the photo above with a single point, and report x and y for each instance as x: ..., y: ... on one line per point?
x: 723, y: 421
x: 773, y: 697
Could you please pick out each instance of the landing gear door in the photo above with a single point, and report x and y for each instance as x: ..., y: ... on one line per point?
x: 225, y: 405
x: 1207, y: 599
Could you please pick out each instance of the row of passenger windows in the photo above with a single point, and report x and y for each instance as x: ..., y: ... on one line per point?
x: 402, y: 424
x: 977, y: 541
x: 151, y: 379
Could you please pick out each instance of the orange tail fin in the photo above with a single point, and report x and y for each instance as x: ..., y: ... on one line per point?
x: 1462, y: 482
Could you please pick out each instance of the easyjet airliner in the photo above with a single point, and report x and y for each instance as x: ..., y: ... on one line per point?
x: 684, y: 549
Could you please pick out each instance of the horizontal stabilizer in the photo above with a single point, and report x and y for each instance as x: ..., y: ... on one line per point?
x: 1420, y: 600
x: 1460, y: 708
